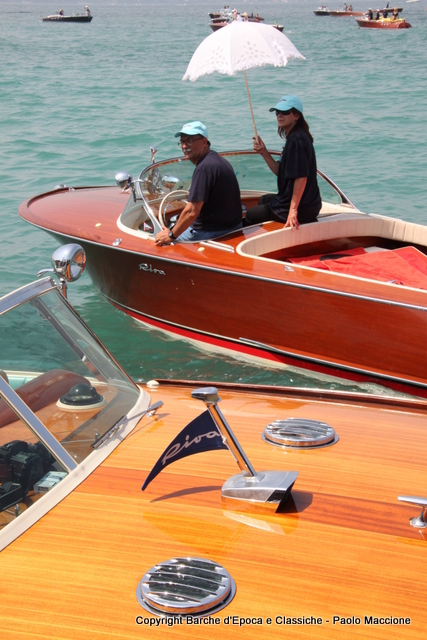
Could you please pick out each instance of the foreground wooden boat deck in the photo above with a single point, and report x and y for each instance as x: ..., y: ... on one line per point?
x: 343, y: 546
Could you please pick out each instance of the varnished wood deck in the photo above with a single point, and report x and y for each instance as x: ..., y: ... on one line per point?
x: 345, y: 546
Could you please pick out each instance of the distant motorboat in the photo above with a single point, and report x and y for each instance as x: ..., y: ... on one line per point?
x: 218, y: 24
x: 79, y: 17
x: 383, y: 23
x: 322, y: 11
x: 215, y: 25
x: 228, y: 14
x: 349, y: 12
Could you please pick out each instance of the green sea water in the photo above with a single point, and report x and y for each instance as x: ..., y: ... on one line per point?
x: 78, y: 102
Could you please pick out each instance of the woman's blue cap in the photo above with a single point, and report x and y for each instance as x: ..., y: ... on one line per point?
x: 288, y: 102
x: 193, y: 129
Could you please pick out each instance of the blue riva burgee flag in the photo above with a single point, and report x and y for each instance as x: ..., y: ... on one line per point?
x: 201, y: 434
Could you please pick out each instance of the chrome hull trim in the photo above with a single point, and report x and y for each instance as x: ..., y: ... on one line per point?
x: 265, y: 347
x: 334, y: 365
x: 238, y: 274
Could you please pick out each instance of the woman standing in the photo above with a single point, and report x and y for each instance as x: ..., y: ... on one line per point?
x: 298, y: 199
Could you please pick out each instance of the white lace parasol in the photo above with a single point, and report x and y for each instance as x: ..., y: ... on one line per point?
x: 240, y: 46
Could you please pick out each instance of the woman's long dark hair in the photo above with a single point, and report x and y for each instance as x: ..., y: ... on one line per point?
x: 301, y: 123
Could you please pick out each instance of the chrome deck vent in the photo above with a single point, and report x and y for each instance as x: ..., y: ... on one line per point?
x: 299, y: 433
x: 186, y: 587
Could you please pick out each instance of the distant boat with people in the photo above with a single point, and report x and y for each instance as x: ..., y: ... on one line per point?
x: 322, y: 11
x: 383, y: 19
x: 75, y: 17
x: 347, y: 10
x: 218, y: 25
x: 227, y: 15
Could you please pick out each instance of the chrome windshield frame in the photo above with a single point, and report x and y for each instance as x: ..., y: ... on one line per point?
x: 156, y: 165
x: 77, y: 469
x: 26, y: 293
x: 139, y: 195
x: 36, y: 290
x: 29, y: 418
x: 32, y: 292
x: 344, y: 199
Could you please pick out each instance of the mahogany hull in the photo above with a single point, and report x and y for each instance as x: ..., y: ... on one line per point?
x: 381, y: 24
x: 215, y: 26
x: 355, y: 328
x: 345, y: 14
x: 299, y: 325
x: 67, y: 19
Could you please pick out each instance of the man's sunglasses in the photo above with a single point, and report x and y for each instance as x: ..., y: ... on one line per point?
x: 189, y: 141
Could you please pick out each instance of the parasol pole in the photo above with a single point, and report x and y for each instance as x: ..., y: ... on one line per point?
x: 250, y: 105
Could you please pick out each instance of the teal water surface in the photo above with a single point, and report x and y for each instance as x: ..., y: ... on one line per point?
x: 78, y: 102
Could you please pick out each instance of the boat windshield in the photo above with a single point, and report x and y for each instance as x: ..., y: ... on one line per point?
x: 251, y: 171
x: 141, y: 215
x: 60, y: 392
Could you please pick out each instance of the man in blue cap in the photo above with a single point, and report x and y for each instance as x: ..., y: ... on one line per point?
x: 298, y: 199
x: 214, y: 206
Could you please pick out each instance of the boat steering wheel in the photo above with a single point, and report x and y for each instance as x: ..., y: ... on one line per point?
x: 179, y: 194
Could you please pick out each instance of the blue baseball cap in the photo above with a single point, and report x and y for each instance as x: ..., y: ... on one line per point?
x: 193, y: 129
x: 288, y: 102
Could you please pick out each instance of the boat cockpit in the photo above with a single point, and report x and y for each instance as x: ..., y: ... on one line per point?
x: 158, y: 195
x: 344, y: 240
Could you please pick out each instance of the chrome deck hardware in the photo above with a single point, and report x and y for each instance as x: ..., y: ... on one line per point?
x: 68, y: 262
x: 186, y: 587
x: 123, y: 180
x: 149, y: 412
x: 419, y: 522
x: 299, y: 433
x: 259, y: 490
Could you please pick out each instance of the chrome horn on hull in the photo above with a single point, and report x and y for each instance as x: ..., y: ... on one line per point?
x: 68, y: 264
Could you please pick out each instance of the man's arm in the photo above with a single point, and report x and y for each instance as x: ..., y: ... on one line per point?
x: 186, y: 218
